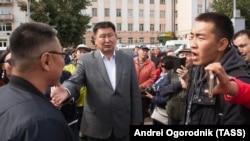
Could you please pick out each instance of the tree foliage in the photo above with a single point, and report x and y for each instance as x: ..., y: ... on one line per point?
x: 226, y: 7
x: 64, y: 15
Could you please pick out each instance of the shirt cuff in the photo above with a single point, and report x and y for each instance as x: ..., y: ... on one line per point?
x: 70, y: 95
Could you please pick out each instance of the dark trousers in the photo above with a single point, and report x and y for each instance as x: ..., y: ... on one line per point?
x: 145, y: 108
x: 79, y: 112
x: 75, y: 130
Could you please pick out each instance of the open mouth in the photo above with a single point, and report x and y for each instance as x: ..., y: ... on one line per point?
x: 194, y: 55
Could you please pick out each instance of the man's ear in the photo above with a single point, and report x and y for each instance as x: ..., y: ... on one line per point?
x: 223, y: 44
x: 45, y: 61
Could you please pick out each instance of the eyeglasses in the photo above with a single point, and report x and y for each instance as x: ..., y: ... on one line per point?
x: 58, y: 53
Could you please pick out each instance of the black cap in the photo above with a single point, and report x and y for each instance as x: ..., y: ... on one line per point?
x: 143, y: 47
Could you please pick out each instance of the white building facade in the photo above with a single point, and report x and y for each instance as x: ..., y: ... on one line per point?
x: 136, y: 21
x: 142, y: 21
x: 10, y: 18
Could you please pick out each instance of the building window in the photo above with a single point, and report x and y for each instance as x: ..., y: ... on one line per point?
x: 141, y: 1
x: 162, y: 1
x: 130, y: 27
x: 119, y: 27
x: 152, y: 40
x: 152, y: 13
x: 162, y: 27
x: 141, y: 27
x: 106, y: 12
x: 140, y: 13
x: 141, y: 40
x: 83, y: 40
x: 152, y: 27
x: 130, y: 40
x: 176, y: 27
x: 3, y: 42
x: 4, y: 11
x: 199, y: 9
x: 118, y: 13
x: 130, y: 13
x: 5, y: 27
x: 175, y: 14
x: 119, y: 40
x: 162, y: 14
x: 94, y: 12
x: 152, y: 1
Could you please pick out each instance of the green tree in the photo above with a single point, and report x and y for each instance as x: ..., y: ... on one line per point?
x: 64, y: 15
x: 226, y: 7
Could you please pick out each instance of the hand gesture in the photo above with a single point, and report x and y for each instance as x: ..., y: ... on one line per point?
x: 59, y: 95
x: 224, y: 85
x: 183, y: 73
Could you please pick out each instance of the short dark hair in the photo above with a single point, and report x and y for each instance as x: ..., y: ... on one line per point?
x: 223, y: 26
x: 168, y: 62
x: 105, y: 24
x: 242, y: 32
x: 29, y: 40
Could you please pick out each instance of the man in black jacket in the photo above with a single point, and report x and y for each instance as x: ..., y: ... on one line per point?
x: 26, y: 114
x: 210, y: 42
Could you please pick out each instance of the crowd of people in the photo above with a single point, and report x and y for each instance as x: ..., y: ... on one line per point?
x: 98, y: 94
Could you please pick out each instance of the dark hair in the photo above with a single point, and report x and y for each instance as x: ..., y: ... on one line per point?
x: 242, y: 32
x: 4, y: 79
x: 168, y: 62
x: 29, y: 40
x: 223, y: 26
x: 105, y: 24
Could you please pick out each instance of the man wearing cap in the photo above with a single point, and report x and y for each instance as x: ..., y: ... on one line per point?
x: 146, y: 75
x: 80, y: 49
x: 186, y: 53
x: 156, y: 56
